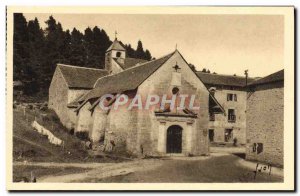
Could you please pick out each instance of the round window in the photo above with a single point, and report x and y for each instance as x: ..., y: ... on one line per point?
x: 175, y: 90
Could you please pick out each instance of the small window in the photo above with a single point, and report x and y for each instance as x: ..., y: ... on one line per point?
x: 258, y: 148
x: 118, y: 54
x: 231, y: 115
x: 231, y: 97
x: 211, y: 135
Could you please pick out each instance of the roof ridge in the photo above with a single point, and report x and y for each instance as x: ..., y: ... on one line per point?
x: 238, y: 76
x: 130, y: 68
x: 272, y: 73
x: 114, y: 44
x: 60, y: 64
x: 259, y: 81
x: 140, y: 64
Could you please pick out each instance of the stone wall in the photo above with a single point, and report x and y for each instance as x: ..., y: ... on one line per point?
x: 72, y: 118
x: 84, y: 118
x: 58, y: 96
x: 98, y: 124
x: 151, y: 128
x: 110, y: 64
x: 265, y: 113
x: 121, y: 127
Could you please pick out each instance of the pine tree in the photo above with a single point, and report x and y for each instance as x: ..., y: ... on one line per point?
x: 77, y: 51
x: 148, y: 55
x: 36, y: 56
x: 139, y: 53
x: 36, y: 44
x: 101, y: 43
x: 129, y: 51
x: 20, y: 46
x: 88, y: 42
x: 53, y: 45
x: 66, y: 53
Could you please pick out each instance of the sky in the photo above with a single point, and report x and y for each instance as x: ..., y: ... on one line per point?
x: 225, y: 44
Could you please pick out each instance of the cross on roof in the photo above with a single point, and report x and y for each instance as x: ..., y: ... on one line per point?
x: 116, y: 33
x: 176, y: 67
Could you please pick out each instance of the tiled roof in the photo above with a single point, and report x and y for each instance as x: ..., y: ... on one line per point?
x: 81, y: 77
x: 275, y: 77
x: 126, y: 80
x: 116, y: 45
x: 129, y: 62
x: 226, y: 80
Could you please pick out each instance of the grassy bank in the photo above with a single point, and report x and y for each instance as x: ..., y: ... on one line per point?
x: 28, y: 145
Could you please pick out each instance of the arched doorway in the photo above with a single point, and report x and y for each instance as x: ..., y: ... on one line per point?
x: 174, y: 139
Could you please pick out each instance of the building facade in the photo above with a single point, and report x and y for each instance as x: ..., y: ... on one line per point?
x: 231, y: 93
x: 265, y: 124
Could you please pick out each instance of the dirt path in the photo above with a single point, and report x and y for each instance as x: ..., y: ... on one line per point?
x: 55, y: 164
x: 98, y: 170
x: 171, y: 169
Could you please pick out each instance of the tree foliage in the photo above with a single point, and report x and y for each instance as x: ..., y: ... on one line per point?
x: 36, y: 51
x: 140, y: 53
x: 207, y: 71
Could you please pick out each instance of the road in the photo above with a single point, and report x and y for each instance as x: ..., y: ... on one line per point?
x: 219, y: 167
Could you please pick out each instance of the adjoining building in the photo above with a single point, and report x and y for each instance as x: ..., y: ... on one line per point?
x: 231, y: 93
x: 265, y: 119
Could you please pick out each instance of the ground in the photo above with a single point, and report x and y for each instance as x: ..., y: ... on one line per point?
x: 30, y: 146
x: 35, y: 156
x: 219, y: 167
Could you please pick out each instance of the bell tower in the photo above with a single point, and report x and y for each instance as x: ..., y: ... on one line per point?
x: 115, y: 51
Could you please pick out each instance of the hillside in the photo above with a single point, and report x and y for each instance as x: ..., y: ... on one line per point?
x: 28, y: 145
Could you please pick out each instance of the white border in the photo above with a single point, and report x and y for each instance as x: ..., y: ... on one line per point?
x: 111, y: 2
